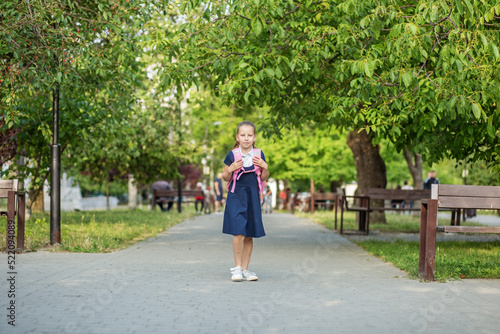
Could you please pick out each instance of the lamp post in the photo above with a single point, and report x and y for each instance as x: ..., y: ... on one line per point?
x: 55, y: 175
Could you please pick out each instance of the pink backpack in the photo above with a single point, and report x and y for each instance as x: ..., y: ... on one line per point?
x: 237, y: 173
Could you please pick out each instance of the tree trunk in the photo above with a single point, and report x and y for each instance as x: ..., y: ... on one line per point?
x: 36, y: 201
x: 415, y: 166
x: 370, y: 167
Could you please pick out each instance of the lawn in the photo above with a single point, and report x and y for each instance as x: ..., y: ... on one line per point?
x: 97, y: 231
x: 454, y: 259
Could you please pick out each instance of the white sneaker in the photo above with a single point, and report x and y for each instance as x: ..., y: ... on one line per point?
x: 236, y: 274
x: 249, y: 276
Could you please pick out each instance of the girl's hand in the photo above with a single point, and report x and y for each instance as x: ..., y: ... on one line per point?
x: 236, y: 166
x: 259, y: 162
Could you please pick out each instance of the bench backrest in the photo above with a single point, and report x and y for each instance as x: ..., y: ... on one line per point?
x: 325, y: 196
x: 175, y: 192
x: 466, y: 196
x: 398, y: 194
x: 6, y: 186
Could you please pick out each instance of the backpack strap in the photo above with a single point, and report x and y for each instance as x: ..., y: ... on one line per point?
x: 237, y: 156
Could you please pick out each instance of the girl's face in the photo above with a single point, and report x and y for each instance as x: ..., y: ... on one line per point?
x: 246, y: 136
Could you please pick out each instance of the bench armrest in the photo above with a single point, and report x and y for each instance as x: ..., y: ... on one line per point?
x: 344, y: 197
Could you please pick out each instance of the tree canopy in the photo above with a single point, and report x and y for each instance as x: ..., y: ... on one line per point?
x: 88, y: 49
x: 421, y: 74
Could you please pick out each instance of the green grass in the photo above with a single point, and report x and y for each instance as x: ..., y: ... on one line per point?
x: 454, y: 259
x: 395, y: 222
x: 97, y: 231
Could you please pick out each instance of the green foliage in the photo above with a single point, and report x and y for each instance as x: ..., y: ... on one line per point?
x: 450, y: 171
x: 83, y: 43
x: 136, y: 144
x: 454, y: 259
x: 311, y: 153
x: 423, y: 75
x: 397, y: 167
x: 91, y: 188
x: 212, y: 128
x: 98, y: 231
x: 86, y: 49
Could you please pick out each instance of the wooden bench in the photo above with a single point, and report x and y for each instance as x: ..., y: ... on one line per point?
x: 16, y: 201
x: 323, y: 199
x: 451, y: 197
x: 187, y: 196
x: 364, y: 207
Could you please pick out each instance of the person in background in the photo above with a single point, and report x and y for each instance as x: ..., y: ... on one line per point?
x: 160, y: 201
x: 396, y: 203
x: 208, y: 201
x: 406, y: 186
x: 268, y: 200
x: 430, y: 180
x: 218, y: 188
x: 406, y: 204
x: 283, y: 198
x: 199, y: 199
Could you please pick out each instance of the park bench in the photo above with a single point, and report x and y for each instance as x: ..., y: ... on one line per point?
x: 364, y: 206
x: 187, y: 196
x: 326, y: 200
x: 15, y: 208
x: 451, y: 197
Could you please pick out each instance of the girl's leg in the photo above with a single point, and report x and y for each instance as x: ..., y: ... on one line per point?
x: 238, y: 250
x: 247, y: 252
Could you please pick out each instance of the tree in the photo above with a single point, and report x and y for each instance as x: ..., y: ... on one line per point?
x: 311, y: 153
x: 212, y: 127
x: 138, y: 144
x: 423, y: 75
x: 87, y: 49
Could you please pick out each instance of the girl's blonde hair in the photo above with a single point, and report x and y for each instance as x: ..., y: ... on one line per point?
x: 247, y: 123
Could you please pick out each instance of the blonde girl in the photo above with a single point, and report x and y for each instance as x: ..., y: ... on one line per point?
x: 242, y: 215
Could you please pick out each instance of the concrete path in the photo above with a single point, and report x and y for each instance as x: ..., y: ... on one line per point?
x: 311, y: 281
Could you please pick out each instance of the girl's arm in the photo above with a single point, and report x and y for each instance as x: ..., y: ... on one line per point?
x: 227, y: 173
x: 263, y: 166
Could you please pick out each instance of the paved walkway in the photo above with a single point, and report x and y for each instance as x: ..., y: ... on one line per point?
x: 311, y: 281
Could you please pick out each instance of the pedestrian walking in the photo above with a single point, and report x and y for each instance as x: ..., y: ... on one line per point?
x: 218, y: 192
x: 245, y: 171
x: 268, y: 200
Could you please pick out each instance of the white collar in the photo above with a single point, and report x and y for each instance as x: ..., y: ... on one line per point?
x: 244, y: 155
x: 247, y: 158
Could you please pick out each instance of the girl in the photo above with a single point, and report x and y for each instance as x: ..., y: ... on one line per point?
x: 242, y: 215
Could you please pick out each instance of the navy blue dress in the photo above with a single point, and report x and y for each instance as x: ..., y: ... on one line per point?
x: 242, y: 213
